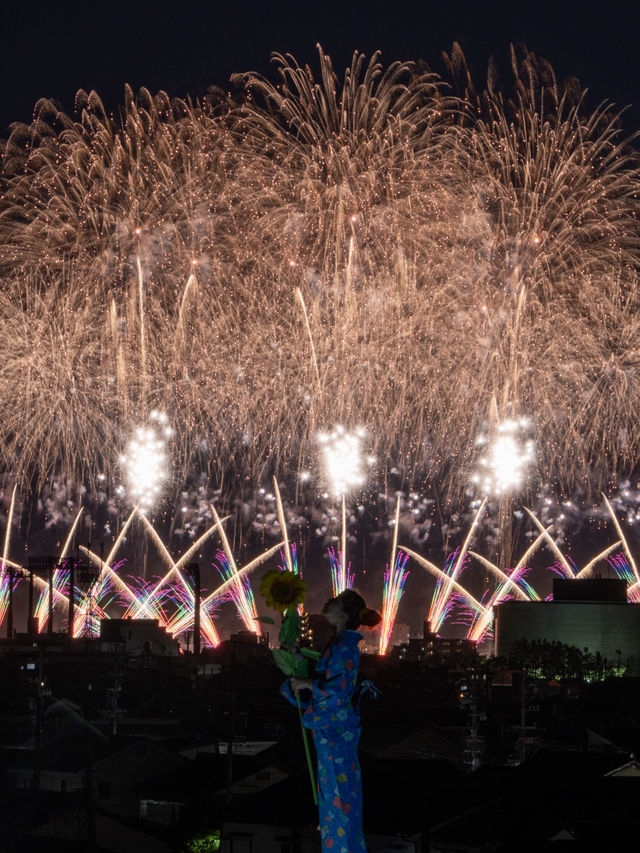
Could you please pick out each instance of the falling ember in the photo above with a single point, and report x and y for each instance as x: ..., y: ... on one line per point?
x: 507, y: 459
x: 341, y: 459
x: 145, y: 462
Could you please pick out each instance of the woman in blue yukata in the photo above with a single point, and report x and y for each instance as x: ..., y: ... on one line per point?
x: 335, y: 724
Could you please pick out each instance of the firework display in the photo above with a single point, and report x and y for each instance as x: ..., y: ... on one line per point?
x: 170, y: 600
x: 341, y: 460
x: 389, y: 260
x: 394, y: 581
x: 145, y: 461
x: 504, y: 466
x: 355, y: 250
x: 341, y: 577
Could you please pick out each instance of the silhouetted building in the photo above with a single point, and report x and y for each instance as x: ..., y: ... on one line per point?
x: 400, y: 634
x: 435, y: 649
x: 138, y: 636
x: 249, y: 637
x: 591, y: 614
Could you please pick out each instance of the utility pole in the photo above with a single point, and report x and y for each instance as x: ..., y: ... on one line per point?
x: 30, y: 620
x: 113, y: 709
x: 72, y: 593
x: 10, y: 605
x: 83, y: 577
x: 89, y: 780
x: 523, y: 727
x: 232, y: 715
x: 474, y: 740
x: 51, y: 567
x: 41, y: 691
x: 194, y: 573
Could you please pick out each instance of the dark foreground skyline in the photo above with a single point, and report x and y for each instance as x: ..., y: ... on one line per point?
x: 105, y: 751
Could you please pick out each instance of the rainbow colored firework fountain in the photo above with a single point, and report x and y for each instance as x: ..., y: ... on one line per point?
x: 395, y: 577
x: 171, y: 599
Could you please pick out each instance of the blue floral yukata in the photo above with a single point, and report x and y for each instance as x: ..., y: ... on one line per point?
x: 335, y: 727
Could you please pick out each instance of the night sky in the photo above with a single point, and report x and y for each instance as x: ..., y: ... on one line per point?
x: 52, y: 49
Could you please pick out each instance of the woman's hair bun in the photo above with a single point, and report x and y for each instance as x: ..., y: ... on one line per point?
x: 369, y: 618
x: 354, y: 606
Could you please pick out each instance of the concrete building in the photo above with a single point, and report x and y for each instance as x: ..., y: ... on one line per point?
x: 591, y: 614
x: 434, y: 649
x: 138, y: 637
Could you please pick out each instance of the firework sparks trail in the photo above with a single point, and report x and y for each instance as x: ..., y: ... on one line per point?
x: 59, y: 580
x: 444, y: 598
x: 289, y: 555
x: 182, y: 592
x: 441, y: 574
x: 341, y: 577
x: 248, y: 567
x: 128, y: 595
x: 625, y: 544
x: 287, y: 549
x: 284, y: 566
x: 7, y: 582
x: 183, y: 619
x: 567, y: 568
x: 387, y: 623
x: 482, y: 624
x: 509, y: 585
x: 510, y: 214
x: 341, y: 460
x: 622, y: 568
x: 603, y: 555
x: 441, y: 602
x: 91, y: 605
x: 172, y: 591
x: 143, y: 349
x: 395, y: 577
x: 344, y: 566
x: 240, y: 593
x: 148, y: 602
x: 515, y: 585
x: 108, y: 586
x: 60, y: 590
x: 504, y: 467
x: 308, y: 328
x: 145, y: 461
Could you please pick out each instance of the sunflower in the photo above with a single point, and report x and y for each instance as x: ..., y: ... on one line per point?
x: 282, y: 590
